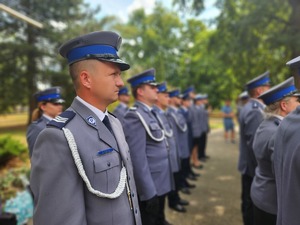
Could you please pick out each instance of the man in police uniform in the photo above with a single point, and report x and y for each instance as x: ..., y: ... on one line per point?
x: 49, y: 106
x: 196, y: 114
x: 205, y: 127
x: 148, y: 147
x: 81, y: 167
x: 250, y: 118
x: 162, y: 103
x: 122, y: 107
x: 181, y: 133
x: 286, y: 162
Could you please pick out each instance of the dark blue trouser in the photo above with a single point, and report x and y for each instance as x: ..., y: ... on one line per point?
x: 247, y: 205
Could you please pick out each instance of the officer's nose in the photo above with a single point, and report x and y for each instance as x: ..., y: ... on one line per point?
x: 119, y: 82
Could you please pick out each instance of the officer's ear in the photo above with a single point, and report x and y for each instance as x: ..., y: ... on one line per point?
x: 85, y: 78
x: 283, y: 105
x: 140, y: 90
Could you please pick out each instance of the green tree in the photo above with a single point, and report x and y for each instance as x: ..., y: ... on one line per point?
x: 29, y: 55
x: 152, y: 41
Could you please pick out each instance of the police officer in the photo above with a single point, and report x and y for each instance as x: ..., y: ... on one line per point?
x: 181, y: 133
x: 49, y: 106
x: 186, y: 109
x: 196, y: 114
x: 205, y: 127
x: 250, y: 118
x: 174, y: 200
x: 148, y: 146
x: 280, y: 101
x: 286, y: 162
x: 122, y: 107
x: 81, y: 167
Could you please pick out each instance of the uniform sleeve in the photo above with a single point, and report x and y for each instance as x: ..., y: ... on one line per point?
x: 55, y: 182
x: 32, y: 132
x: 136, y: 137
x: 252, y: 122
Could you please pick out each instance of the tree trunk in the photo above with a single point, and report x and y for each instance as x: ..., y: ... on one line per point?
x: 31, y: 66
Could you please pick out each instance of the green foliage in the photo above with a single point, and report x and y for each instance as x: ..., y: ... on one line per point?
x: 10, y: 148
x: 250, y: 37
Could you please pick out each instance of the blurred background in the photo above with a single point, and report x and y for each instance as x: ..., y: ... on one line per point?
x: 215, y: 45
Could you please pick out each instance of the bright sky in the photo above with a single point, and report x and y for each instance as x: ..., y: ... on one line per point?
x: 122, y: 8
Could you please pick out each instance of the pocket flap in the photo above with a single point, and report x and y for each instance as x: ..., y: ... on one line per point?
x: 106, y: 162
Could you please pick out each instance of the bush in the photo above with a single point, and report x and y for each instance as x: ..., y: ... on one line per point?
x: 10, y: 148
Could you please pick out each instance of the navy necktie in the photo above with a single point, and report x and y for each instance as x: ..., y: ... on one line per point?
x: 107, y: 124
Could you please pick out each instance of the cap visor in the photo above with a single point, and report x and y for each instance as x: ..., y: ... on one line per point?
x: 122, y: 65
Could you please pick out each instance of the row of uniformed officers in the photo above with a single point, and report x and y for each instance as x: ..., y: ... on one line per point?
x: 88, y: 168
x: 269, y: 151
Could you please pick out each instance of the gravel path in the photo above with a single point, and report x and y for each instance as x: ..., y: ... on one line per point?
x: 216, y: 198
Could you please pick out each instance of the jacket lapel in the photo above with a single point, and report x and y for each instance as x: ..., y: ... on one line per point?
x: 92, y: 120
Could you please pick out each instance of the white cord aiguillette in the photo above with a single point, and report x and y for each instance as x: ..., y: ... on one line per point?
x: 123, y: 175
x: 184, y: 128
x: 148, y: 130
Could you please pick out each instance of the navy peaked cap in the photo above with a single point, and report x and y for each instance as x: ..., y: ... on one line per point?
x: 258, y: 81
x: 123, y: 91
x: 280, y: 91
x: 188, y: 90
x: 244, y: 95
x: 52, y: 94
x: 201, y: 96
x: 185, y: 96
x: 100, y: 45
x: 162, y: 87
x: 174, y: 93
x: 146, y: 77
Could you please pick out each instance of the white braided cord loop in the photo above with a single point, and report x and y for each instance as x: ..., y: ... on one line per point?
x: 123, y: 175
x: 148, y: 130
x: 167, y: 134
x: 184, y: 128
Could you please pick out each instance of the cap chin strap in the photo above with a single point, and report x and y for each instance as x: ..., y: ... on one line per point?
x: 123, y: 175
x: 148, y: 130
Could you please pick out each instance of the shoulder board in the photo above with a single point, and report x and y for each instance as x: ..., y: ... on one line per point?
x: 133, y: 108
x: 37, y: 121
x: 254, y: 105
x: 112, y: 114
x: 61, y: 120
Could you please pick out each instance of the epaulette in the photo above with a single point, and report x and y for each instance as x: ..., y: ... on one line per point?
x: 255, y: 105
x: 133, y: 108
x: 62, y: 120
x: 37, y: 121
x: 112, y: 114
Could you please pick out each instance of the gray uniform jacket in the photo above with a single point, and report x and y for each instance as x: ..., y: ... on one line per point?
x: 120, y: 112
x: 287, y: 169
x: 170, y: 134
x: 60, y: 194
x: 250, y: 118
x: 150, y: 158
x: 263, y: 189
x: 181, y: 132
x: 34, y: 130
x: 195, y: 116
x: 205, y: 118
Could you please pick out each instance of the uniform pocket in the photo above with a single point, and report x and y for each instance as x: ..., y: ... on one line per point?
x: 106, y: 162
x: 107, y: 169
